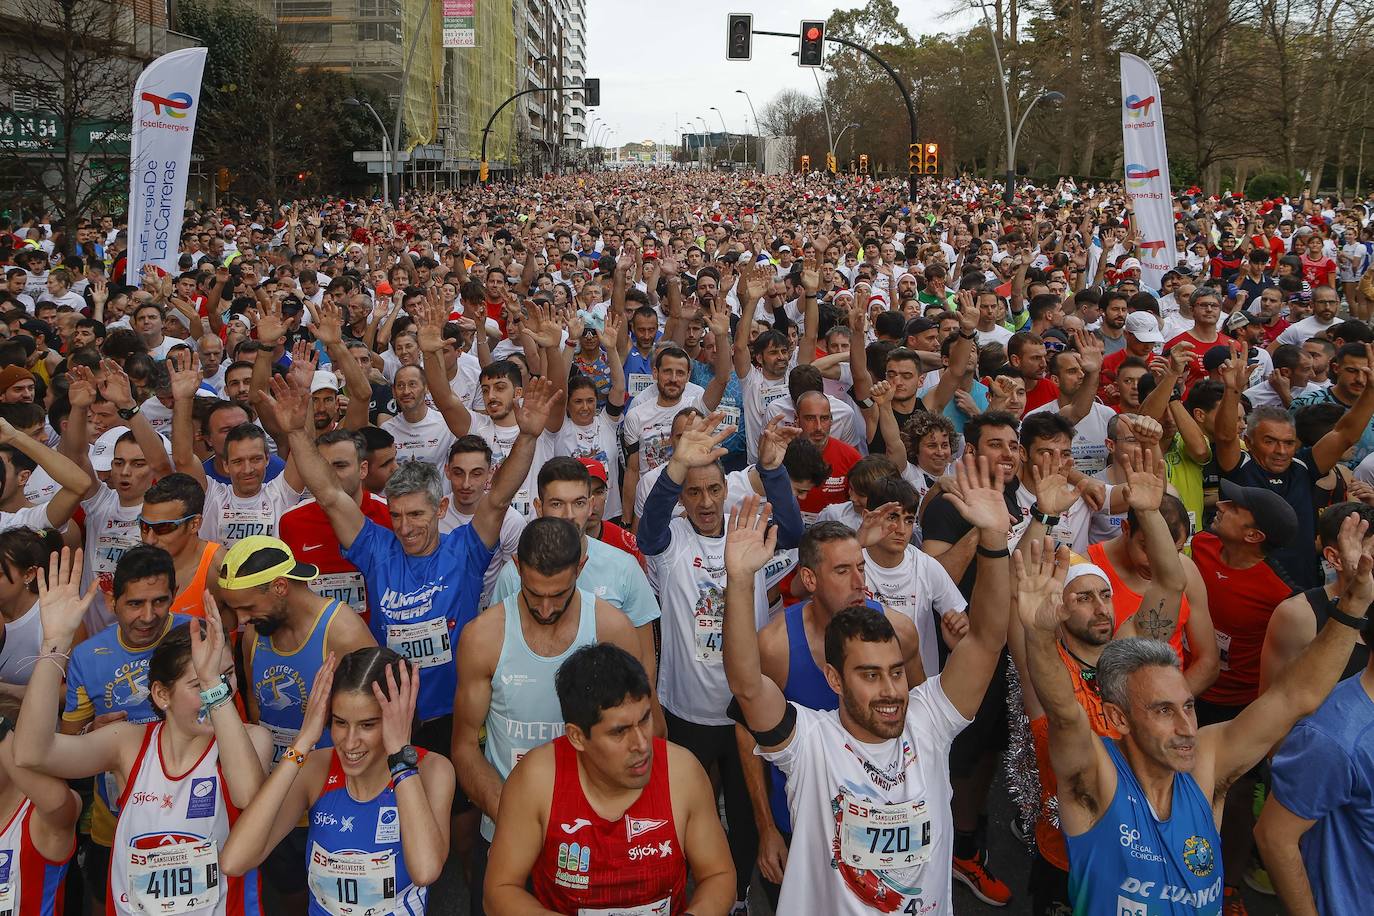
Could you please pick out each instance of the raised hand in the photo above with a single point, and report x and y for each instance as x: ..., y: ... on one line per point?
x: 810, y: 275
x: 1090, y: 350
x: 537, y: 402
x: 699, y: 444
x: 750, y: 540
x: 1181, y: 357
x: 288, y: 401
x: 207, y: 645
x: 1037, y: 574
x: 718, y: 320
x: 115, y: 386
x: 774, y: 441
x: 1053, y: 494
x: 328, y: 326
x: 317, y: 706
x: 271, y: 325
x: 542, y: 327
x: 398, y: 704
x: 184, y: 376
x: 609, y: 335
x: 429, y: 327
x: 882, y: 393
x: 304, y: 360
x: 1146, y: 475
x: 879, y: 524
x: 953, y: 627
x: 61, y: 605
x: 977, y: 495
x: 81, y: 387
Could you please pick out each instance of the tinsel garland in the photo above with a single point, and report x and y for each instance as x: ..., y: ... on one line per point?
x: 1022, y: 769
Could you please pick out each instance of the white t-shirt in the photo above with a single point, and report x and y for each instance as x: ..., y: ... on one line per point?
x: 998, y: 335
x: 511, y: 527
x: 919, y: 588
x: 649, y: 424
x: 1298, y: 334
x: 427, y: 440
x: 33, y: 517
x: 502, y: 440
x: 905, y: 778
x: 23, y: 640
x: 758, y: 392
x: 1089, y: 436
x: 159, y: 416
x: 597, y: 441
x: 230, y: 518
x: 111, y: 530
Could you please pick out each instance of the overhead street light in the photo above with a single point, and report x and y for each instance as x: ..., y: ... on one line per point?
x: 386, y: 146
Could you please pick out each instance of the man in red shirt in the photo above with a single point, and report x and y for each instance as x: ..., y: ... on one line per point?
x: 1270, y: 240
x: 1206, y: 305
x: 814, y: 419
x: 1243, y: 589
x: 1142, y: 334
x: 1026, y: 354
x: 312, y: 540
x: 613, y: 535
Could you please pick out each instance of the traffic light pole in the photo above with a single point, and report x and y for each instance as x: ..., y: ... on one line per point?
x: 482, y: 175
x: 906, y: 94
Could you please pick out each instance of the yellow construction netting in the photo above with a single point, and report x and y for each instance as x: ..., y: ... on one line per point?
x: 480, y: 78
x: 420, y: 96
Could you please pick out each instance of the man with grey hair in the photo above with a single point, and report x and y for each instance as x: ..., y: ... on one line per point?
x: 1141, y: 812
x: 424, y: 586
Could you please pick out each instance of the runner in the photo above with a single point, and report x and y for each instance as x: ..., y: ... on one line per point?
x: 171, y: 828
x: 882, y: 756
x: 171, y: 516
x: 375, y: 844
x: 608, y: 818
x: 1162, y: 786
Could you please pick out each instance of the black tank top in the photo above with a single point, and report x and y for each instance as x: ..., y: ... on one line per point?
x: 1321, y: 603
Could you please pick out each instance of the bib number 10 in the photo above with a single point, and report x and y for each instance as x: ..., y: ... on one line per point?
x: 347, y: 889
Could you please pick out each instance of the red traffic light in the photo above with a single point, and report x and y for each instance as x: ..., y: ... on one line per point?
x: 813, y: 33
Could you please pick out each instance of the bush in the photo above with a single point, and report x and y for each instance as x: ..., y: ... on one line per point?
x: 1267, y: 184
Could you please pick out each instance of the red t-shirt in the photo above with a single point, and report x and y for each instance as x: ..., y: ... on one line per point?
x: 1241, y: 602
x: 306, y: 530
x: 1320, y: 272
x: 1275, y: 246
x: 841, y: 456
x: 1044, y: 391
x: 1196, y: 370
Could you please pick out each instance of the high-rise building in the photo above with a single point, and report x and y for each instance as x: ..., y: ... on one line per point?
x: 575, y: 57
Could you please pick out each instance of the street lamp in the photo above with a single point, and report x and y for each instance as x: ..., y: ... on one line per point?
x: 840, y: 135
x: 386, y: 146
x: 729, y: 144
x: 705, y: 136
x: 757, y: 131
x: 1054, y: 98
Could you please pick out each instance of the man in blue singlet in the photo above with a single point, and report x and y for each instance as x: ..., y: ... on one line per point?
x: 1141, y: 813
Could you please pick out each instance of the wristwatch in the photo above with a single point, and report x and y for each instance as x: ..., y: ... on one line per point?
x: 407, y: 758
x: 128, y: 413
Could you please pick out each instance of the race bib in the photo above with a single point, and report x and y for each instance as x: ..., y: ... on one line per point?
x: 637, y: 382
x: 347, y: 587
x: 657, y: 908
x: 876, y: 837
x: 174, y: 879
x: 731, y: 415
x: 237, y: 524
x: 352, y: 883
x: 281, y: 739
x: 426, y: 642
x: 1224, y: 649
x: 709, y: 635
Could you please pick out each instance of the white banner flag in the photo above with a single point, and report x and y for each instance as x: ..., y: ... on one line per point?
x: 166, y: 100
x: 1147, y: 169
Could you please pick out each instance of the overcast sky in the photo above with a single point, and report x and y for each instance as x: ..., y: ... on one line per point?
x: 662, y: 65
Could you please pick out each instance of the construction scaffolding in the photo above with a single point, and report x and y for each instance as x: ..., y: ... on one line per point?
x: 477, y: 80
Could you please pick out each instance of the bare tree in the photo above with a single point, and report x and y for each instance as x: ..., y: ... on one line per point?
x: 75, y: 61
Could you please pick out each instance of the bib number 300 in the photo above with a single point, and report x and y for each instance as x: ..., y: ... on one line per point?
x: 425, y: 643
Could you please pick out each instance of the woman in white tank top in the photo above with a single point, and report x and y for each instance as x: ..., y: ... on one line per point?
x: 182, y: 779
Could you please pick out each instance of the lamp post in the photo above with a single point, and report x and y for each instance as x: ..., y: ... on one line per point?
x: 729, y: 144
x: 386, y: 146
x: 705, y: 135
x: 1013, y: 135
x: 757, y: 131
x: 841, y: 134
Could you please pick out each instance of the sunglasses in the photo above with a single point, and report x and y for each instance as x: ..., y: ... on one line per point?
x: 162, y: 529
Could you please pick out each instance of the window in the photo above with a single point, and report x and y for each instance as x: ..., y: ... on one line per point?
x: 306, y: 32
x: 379, y: 31
x: 378, y: 9
x: 304, y: 9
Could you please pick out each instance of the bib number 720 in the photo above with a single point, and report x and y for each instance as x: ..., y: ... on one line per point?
x: 889, y: 840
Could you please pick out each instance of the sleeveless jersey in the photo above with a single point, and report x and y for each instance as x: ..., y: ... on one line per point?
x: 307, y: 531
x: 165, y: 857
x: 1133, y: 864
x: 633, y: 865
x: 1049, y: 839
x: 281, y: 681
x: 1321, y: 604
x: 524, y: 711
x: 191, y: 599
x: 30, y: 885
x: 357, y: 864
x: 1125, y: 601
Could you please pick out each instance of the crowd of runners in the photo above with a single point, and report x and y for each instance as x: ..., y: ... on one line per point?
x: 625, y: 540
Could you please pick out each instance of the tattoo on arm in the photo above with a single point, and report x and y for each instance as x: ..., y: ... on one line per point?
x: 1151, y: 623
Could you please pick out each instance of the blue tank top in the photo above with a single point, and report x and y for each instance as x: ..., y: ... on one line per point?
x: 356, y: 860
x: 281, y: 681
x: 1134, y: 864
x: 806, y: 685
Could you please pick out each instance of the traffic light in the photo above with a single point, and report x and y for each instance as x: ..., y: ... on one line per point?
x: 863, y: 163
x: 591, y: 92
x: 740, y: 37
x: 830, y: 162
x: 222, y: 179
x: 483, y: 171
x: 806, y: 164
x: 913, y: 159
x: 932, y: 159
x: 812, y: 51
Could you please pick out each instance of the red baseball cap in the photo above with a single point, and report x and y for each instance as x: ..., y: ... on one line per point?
x: 595, y: 468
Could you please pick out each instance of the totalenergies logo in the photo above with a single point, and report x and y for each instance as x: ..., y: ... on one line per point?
x: 1153, y: 247
x: 174, y: 105
x: 1138, y: 176
x: 1138, y: 109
